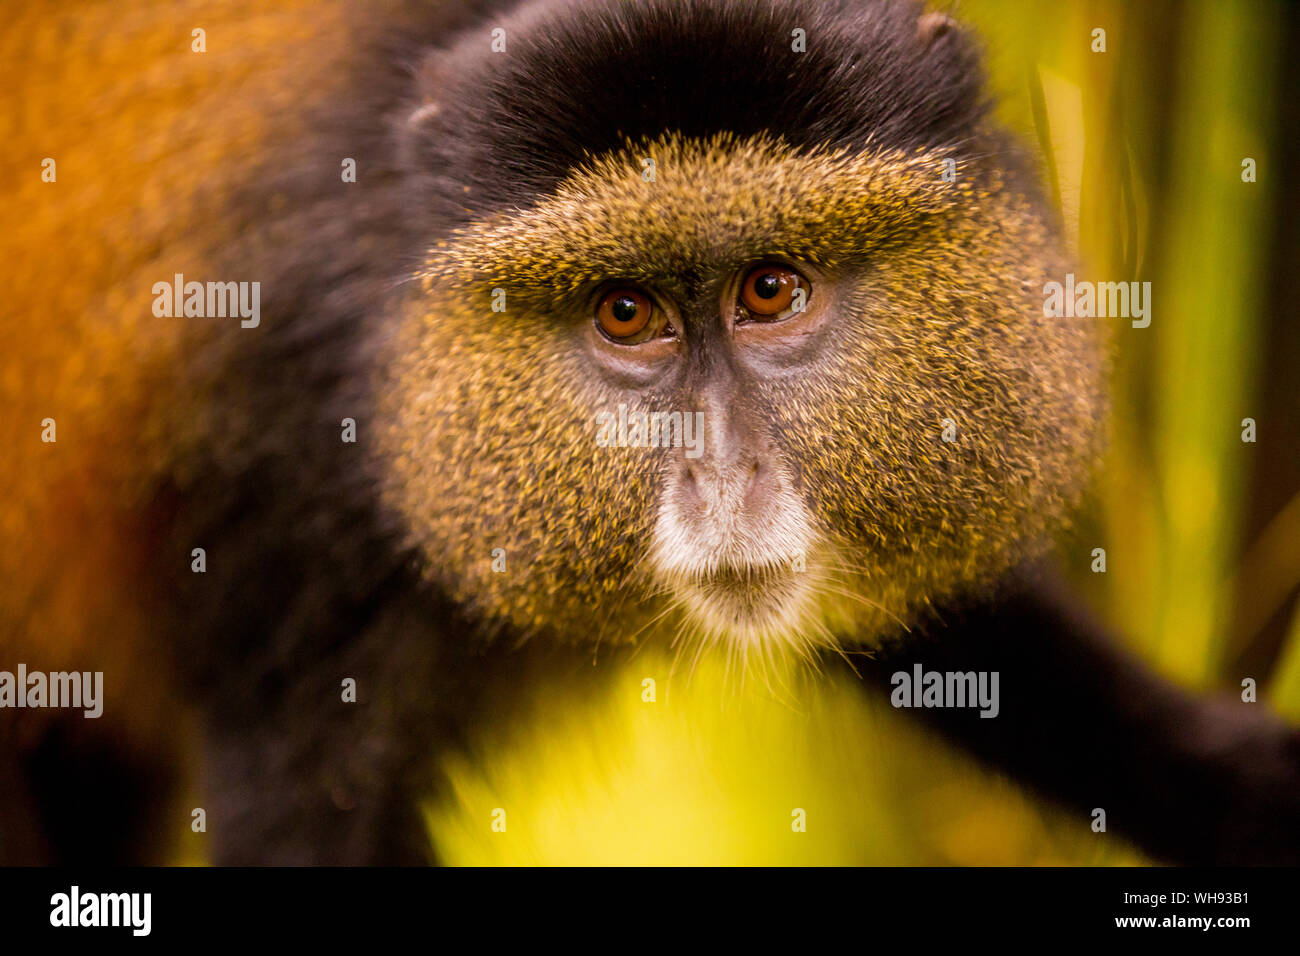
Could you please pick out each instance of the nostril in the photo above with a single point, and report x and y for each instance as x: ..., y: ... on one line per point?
x: 747, y: 481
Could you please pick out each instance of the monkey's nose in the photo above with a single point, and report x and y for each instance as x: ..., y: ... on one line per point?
x: 735, y: 486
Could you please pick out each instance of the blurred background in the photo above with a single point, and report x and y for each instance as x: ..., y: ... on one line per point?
x: 1142, y: 149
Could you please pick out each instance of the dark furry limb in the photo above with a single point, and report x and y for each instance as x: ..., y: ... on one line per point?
x: 1189, y: 779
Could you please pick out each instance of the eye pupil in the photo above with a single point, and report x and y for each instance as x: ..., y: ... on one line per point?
x: 767, y: 286
x: 624, y: 309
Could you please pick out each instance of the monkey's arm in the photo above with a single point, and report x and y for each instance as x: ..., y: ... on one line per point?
x: 1190, y: 779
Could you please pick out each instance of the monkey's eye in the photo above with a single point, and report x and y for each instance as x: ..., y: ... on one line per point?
x: 625, y: 315
x: 769, y: 290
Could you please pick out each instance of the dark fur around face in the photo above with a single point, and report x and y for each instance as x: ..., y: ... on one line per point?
x: 582, y: 78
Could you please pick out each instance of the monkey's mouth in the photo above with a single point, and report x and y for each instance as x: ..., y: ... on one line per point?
x: 748, y: 603
x: 741, y: 578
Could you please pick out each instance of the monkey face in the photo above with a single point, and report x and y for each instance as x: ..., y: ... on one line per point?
x: 765, y: 396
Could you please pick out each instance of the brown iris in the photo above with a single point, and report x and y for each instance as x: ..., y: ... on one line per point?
x: 768, y: 290
x: 624, y: 313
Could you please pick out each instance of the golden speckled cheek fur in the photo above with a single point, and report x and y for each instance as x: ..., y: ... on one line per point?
x: 945, y: 328
x: 493, y: 444
x: 936, y: 314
